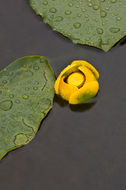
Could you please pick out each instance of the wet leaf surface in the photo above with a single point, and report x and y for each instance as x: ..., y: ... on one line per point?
x: 99, y: 23
x: 26, y: 96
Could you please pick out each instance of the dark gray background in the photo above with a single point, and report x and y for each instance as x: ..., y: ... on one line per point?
x: 76, y: 148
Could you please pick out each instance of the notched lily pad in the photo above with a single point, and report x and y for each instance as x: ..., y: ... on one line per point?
x: 99, y: 23
x: 26, y: 96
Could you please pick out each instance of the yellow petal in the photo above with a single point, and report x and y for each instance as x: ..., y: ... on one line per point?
x: 87, y: 92
x: 89, y: 76
x: 69, y: 69
x: 65, y: 90
x: 86, y: 64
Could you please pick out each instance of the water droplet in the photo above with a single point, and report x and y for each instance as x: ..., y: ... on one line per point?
x: 105, y: 42
x: 107, y: 8
x: 6, y: 105
x: 113, y: 1
x: 67, y: 12
x: 17, y: 101
x: 36, y: 67
x: 70, y: 4
x: 79, y: 15
x: 53, y: 10
x: 118, y: 18
x: 77, y: 6
x: 77, y: 25
x: 20, y: 139
x: 114, y: 30
x: 4, y: 81
x: 58, y: 19
x: 83, y: 9
x: 99, y: 30
x: 45, y: 3
x: 27, y: 89
x: 36, y: 82
x: 90, y: 4
x: 25, y: 96
x: 35, y: 88
x: 11, y: 96
x: 103, y: 13
x: 95, y: 7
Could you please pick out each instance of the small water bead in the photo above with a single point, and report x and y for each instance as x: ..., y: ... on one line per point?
x: 6, y: 105
x: 105, y: 42
x: 53, y: 10
x: 35, y: 88
x: 31, y: 93
x: 90, y: 4
x: 25, y: 96
x: 114, y: 30
x: 27, y: 89
x: 58, y: 19
x: 4, y: 81
x: 67, y: 12
x: 36, y: 82
x: 77, y: 6
x: 45, y: 3
x: 99, y: 30
x: 36, y: 67
x: 11, y: 96
x: 113, y: 1
x: 102, y: 0
x: 77, y: 25
x: 95, y: 7
x: 79, y: 15
x: 83, y: 9
x: 70, y: 4
x: 17, y: 101
x: 118, y: 18
x: 107, y: 8
x: 103, y: 13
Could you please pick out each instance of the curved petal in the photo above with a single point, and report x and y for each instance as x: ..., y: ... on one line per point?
x: 66, y: 72
x: 65, y: 90
x: 89, y: 76
x: 87, y: 92
x: 86, y: 64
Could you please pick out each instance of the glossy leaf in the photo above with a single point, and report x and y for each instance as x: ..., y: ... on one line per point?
x: 99, y: 23
x: 26, y: 96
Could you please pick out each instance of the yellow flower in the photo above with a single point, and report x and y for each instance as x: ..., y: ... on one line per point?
x: 78, y: 82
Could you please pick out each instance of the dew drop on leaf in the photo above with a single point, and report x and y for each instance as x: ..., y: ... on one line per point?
x: 67, y: 12
x: 52, y: 10
x: 77, y: 25
x: 114, y: 30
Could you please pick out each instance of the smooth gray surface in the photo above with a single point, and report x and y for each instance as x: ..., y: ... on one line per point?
x: 76, y: 148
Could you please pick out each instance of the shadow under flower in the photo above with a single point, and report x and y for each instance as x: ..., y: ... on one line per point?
x: 76, y: 108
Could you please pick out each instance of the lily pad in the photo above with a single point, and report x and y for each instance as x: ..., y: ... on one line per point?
x: 26, y: 96
x: 99, y: 23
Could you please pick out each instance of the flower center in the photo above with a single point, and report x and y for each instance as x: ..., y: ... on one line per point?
x: 77, y: 79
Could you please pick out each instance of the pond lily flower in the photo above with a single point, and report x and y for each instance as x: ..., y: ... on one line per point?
x: 78, y: 82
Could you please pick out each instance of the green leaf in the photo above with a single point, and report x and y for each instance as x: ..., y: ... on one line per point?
x: 99, y: 23
x: 26, y: 96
